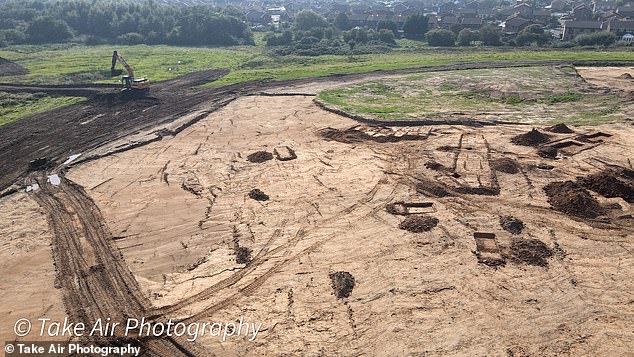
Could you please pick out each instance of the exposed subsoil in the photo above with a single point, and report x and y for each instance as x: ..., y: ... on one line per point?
x: 611, y: 183
x: 570, y: 198
x: 625, y: 76
x: 547, y: 152
x: 560, y: 128
x: 506, y: 165
x: 10, y: 68
x: 511, y: 224
x: 260, y: 156
x: 532, y: 138
x: 530, y: 251
x: 418, y: 223
x: 342, y: 283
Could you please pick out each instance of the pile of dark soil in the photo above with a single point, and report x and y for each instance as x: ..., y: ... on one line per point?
x: 353, y: 135
x: 433, y: 189
x: 342, y: 283
x: 258, y: 195
x: 511, y: 224
x: 396, y: 208
x: 625, y: 76
x: 243, y: 255
x: 547, y: 152
x: 10, y: 68
x: 436, y: 166
x: 530, y: 251
x: 532, y: 138
x: 446, y: 148
x: 560, y: 128
x: 543, y: 166
x: 260, y: 156
x: 419, y: 223
x: 572, y: 199
x: 482, y: 190
x: 505, y: 165
x: 610, y: 183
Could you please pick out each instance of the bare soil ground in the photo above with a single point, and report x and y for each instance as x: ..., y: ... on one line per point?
x: 178, y: 212
x: 10, y: 68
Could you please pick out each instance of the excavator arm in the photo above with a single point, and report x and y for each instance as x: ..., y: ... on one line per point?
x: 115, y: 57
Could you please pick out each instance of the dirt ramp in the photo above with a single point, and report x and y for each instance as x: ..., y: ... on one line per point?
x: 10, y: 68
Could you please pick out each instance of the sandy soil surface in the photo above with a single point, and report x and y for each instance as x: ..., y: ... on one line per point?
x: 179, y: 207
x: 609, y: 77
x: 202, y: 249
x: 28, y: 279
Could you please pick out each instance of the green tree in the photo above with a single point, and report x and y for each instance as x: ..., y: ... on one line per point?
x: 308, y: 19
x: 387, y: 25
x: 490, y: 36
x: 342, y: 22
x: 416, y: 26
x: 441, y: 38
x: 48, y: 29
x: 466, y: 37
x: 603, y: 38
x: 387, y: 36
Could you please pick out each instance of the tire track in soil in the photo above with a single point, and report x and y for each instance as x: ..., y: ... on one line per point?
x: 287, y: 256
x: 101, y: 287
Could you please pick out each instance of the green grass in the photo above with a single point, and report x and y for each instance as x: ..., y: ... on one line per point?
x: 530, y: 94
x: 67, y: 63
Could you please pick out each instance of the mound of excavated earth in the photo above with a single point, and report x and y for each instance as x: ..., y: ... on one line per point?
x: 532, y: 138
x: 572, y: 199
x: 10, y: 68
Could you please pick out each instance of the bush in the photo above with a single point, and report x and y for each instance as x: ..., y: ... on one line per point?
x: 466, y: 37
x: 441, y: 38
x: 131, y: 38
x: 416, y: 26
x: 387, y: 36
x: 490, y: 36
x: 283, y: 39
x: 48, y: 29
x: 603, y: 38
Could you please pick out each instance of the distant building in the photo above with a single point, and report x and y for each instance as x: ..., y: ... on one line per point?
x: 620, y: 27
x: 558, y: 5
x: 626, y: 11
x: 515, y: 24
x: 447, y: 21
x: 582, y: 13
x: 599, y: 6
x: 575, y: 28
x: 473, y: 23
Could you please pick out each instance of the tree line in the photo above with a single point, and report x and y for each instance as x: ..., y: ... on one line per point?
x: 108, y: 21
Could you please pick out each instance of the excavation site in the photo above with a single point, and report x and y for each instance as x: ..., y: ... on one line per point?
x: 474, y: 209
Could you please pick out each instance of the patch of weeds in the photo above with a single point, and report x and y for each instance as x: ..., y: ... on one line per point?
x: 563, y: 98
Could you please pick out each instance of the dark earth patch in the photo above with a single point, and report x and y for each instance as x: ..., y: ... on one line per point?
x: 570, y: 198
x: 418, y: 224
x: 260, y: 156
x: 258, y: 195
x: 530, y: 251
x: 342, y: 283
x: 511, y: 224
x: 532, y: 138
x: 505, y: 165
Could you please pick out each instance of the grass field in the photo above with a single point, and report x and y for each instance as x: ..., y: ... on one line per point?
x: 57, y: 64
x: 530, y: 95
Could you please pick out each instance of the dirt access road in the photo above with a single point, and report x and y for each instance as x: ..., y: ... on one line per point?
x: 179, y: 212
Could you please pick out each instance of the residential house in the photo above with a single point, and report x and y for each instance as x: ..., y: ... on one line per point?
x: 257, y: 17
x: 575, y: 28
x: 446, y: 8
x: 558, y: 5
x: 626, y: 11
x: 473, y: 23
x: 620, y: 27
x: 525, y: 10
x: 541, y: 15
x: 599, y: 6
x: 447, y: 21
x: 432, y: 22
x: 582, y: 13
x: 515, y: 24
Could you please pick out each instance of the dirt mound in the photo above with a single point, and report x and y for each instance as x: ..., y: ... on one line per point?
x: 10, y: 68
x: 625, y: 76
x: 505, y: 165
x: 433, y: 189
x: 610, y: 183
x: 260, y: 156
x: 418, y: 224
x: 342, y: 283
x: 572, y: 199
x: 258, y: 195
x: 547, y: 152
x: 436, y: 166
x: 511, y: 224
x: 243, y: 255
x: 532, y: 138
x: 530, y: 251
x: 560, y: 128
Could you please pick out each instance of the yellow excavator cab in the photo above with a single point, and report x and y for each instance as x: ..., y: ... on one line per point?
x: 129, y: 82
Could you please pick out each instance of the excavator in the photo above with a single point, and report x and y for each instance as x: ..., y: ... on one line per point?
x: 130, y: 84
